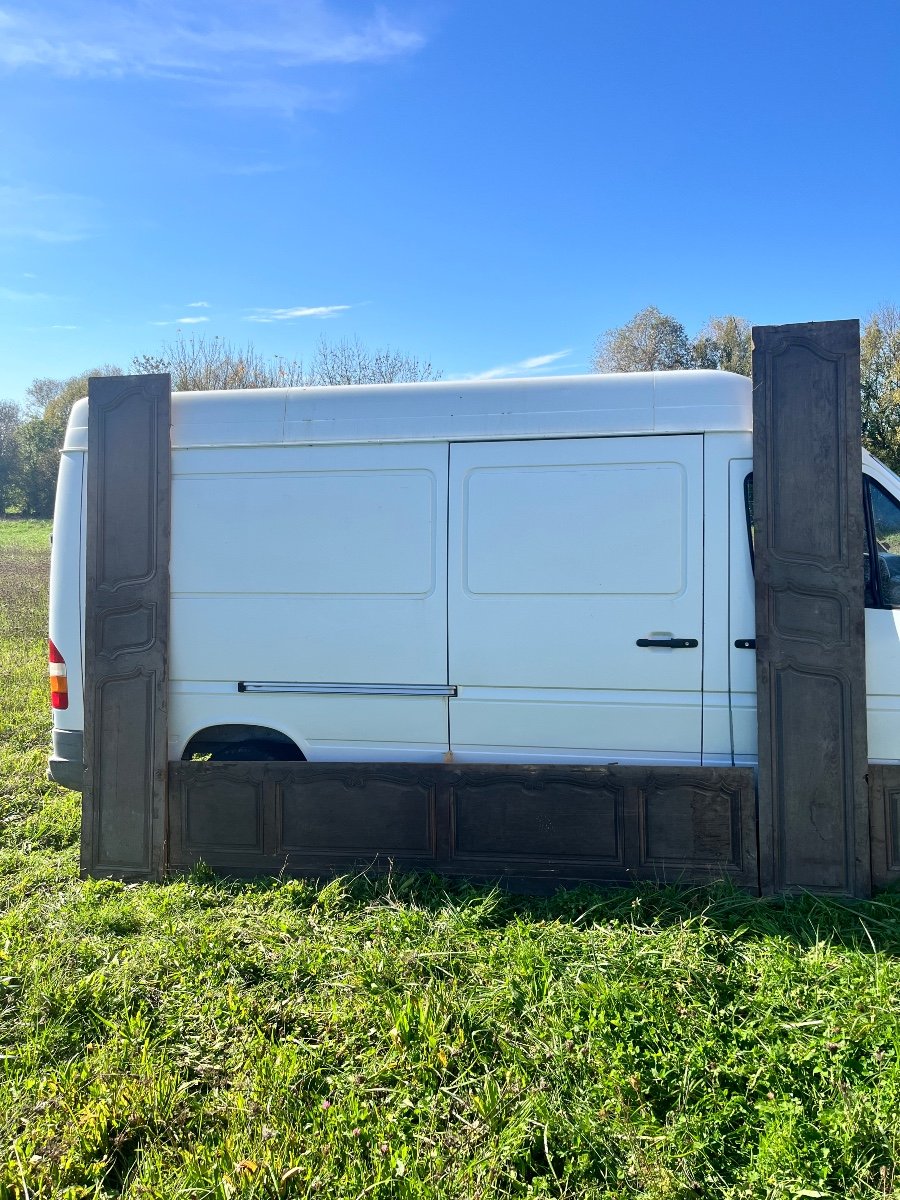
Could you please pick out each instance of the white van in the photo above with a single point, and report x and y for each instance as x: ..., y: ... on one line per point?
x: 523, y: 571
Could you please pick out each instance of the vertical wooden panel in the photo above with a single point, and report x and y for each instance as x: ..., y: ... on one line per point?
x: 810, y: 620
x: 884, y: 793
x: 126, y: 626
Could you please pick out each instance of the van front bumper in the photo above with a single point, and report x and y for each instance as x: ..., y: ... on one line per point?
x: 66, y: 764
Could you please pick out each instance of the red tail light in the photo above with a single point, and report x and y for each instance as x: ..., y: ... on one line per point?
x: 59, y: 685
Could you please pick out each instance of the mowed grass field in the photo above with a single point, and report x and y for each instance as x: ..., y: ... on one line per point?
x: 402, y: 1038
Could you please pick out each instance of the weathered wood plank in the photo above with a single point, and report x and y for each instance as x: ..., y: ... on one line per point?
x: 884, y: 794
x: 126, y: 626
x: 540, y: 824
x: 810, y: 620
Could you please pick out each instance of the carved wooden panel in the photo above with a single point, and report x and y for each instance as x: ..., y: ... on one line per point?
x: 224, y: 814
x: 219, y: 818
x: 884, y: 798
x: 695, y: 824
x: 123, y: 714
x: 335, y: 810
x: 809, y: 608
x: 540, y: 826
x: 126, y: 625
x: 536, y: 816
x: 688, y: 822
x: 126, y: 630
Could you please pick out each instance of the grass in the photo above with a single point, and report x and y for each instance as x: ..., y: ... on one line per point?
x: 404, y: 1038
x: 24, y: 532
x: 24, y: 558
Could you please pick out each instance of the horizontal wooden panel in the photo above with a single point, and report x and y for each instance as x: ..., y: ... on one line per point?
x: 338, y: 810
x: 531, y: 825
x: 224, y: 814
x: 547, y: 815
x: 691, y: 823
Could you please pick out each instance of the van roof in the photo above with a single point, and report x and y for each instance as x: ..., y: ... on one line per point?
x: 563, y: 406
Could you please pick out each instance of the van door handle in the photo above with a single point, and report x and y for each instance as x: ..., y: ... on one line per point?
x: 669, y: 643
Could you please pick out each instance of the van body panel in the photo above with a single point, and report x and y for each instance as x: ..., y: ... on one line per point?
x: 476, y: 410
x: 883, y: 683
x: 741, y: 613
x: 67, y: 584
x: 563, y: 555
x: 326, y: 728
x: 310, y: 564
x: 718, y: 450
x: 715, y: 554
x: 717, y: 740
x: 883, y: 653
x: 286, y: 639
x: 564, y: 725
x: 66, y: 625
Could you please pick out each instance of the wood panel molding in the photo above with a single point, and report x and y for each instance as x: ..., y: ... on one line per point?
x: 126, y: 626
x: 810, y: 619
x: 884, y: 793
x: 543, y: 825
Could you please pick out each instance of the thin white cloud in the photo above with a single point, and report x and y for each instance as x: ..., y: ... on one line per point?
x: 199, y: 304
x: 511, y: 370
x: 65, y: 326
x: 282, y: 96
x: 248, y: 53
x: 17, y: 297
x: 543, y: 360
x: 251, y: 169
x: 182, y: 321
x: 36, y: 214
x: 322, y: 312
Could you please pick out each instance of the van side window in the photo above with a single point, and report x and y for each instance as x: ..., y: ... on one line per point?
x: 883, y: 520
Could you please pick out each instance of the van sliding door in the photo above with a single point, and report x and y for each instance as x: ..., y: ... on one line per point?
x: 576, y: 599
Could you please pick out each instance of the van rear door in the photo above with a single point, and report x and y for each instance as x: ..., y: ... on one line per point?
x: 576, y: 599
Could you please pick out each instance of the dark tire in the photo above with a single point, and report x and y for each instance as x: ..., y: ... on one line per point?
x: 254, y: 750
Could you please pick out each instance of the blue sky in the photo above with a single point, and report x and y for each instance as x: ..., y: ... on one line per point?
x: 484, y: 183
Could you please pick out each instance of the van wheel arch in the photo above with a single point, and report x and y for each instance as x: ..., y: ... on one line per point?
x: 242, y: 743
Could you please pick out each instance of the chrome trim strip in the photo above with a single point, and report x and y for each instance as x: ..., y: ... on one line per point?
x: 351, y: 689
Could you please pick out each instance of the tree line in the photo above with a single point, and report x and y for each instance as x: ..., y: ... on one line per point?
x: 655, y: 341
x: 30, y: 436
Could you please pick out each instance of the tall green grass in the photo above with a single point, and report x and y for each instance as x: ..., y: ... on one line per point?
x: 25, y: 533
x: 24, y: 563
x: 403, y: 1037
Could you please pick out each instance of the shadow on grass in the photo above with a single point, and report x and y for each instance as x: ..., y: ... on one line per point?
x: 806, y: 920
